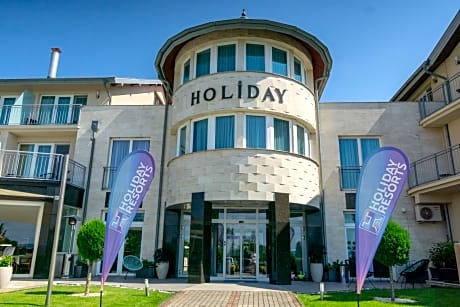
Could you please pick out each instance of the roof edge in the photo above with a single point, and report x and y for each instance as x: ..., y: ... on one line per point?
x: 431, y: 62
x: 240, y: 23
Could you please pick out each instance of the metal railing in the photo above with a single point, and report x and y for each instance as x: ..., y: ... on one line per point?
x: 39, y: 166
x: 437, y: 166
x: 349, y: 177
x: 439, y: 97
x: 64, y: 114
x: 108, y: 175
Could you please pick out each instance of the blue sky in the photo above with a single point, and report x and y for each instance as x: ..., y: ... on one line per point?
x: 375, y: 45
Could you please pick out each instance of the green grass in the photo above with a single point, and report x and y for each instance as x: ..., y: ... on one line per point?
x: 62, y: 297
x: 424, y: 297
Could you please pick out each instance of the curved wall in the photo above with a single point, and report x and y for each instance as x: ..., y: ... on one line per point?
x: 242, y: 174
x: 243, y: 91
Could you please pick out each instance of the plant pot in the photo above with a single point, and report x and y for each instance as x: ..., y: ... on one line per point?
x: 162, y: 270
x: 77, y: 271
x: 316, y: 271
x: 5, y: 276
x: 145, y: 273
x: 334, y: 275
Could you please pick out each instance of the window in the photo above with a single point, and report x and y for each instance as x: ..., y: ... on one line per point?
x: 78, y: 102
x: 279, y: 61
x: 200, y: 135
x: 255, y: 57
x: 350, y: 201
x: 43, y: 161
x: 59, y: 110
x: 186, y: 72
x: 226, y: 58
x: 7, y: 106
x: 281, y: 134
x: 203, y: 63
x: 120, y: 149
x: 225, y: 132
x: 297, y: 70
x: 353, y: 152
x: 255, y: 132
x: 300, y: 140
x: 182, y: 140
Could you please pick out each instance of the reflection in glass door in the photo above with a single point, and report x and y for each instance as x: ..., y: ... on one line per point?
x: 241, y: 251
x: 233, y: 255
x: 238, y: 243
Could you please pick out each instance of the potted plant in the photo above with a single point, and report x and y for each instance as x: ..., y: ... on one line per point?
x: 81, y: 268
x: 161, y: 260
x: 6, y: 271
x: 334, y: 271
x: 316, y: 263
x: 442, y: 257
x: 147, y: 270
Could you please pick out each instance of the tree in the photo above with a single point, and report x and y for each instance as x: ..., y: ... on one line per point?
x: 393, y: 249
x: 90, y: 242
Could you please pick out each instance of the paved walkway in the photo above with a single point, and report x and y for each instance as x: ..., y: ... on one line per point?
x: 213, y: 294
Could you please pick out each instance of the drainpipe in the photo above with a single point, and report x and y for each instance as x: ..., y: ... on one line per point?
x: 94, y: 128
x: 320, y: 169
x: 106, y: 82
x: 162, y: 161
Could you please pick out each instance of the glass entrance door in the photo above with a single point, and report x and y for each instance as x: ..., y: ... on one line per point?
x: 241, y: 251
x: 238, y: 244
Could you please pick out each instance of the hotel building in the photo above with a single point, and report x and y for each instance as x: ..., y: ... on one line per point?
x: 254, y: 175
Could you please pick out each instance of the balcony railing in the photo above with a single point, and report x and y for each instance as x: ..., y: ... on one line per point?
x: 39, y: 166
x: 440, y: 165
x: 349, y: 177
x: 64, y: 114
x: 439, y: 97
x: 108, y: 176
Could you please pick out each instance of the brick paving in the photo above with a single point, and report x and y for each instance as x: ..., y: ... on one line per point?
x: 204, y: 298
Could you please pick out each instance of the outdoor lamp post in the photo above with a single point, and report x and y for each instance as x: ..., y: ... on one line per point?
x: 72, y: 221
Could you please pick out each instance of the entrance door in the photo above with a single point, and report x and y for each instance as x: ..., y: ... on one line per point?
x: 241, y: 251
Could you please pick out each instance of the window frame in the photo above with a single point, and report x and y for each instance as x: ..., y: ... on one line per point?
x: 192, y: 134
x: 264, y: 45
x: 234, y: 130
x: 216, y: 56
x: 179, y: 135
x: 189, y: 62
x: 360, y: 156
x: 288, y: 61
x: 196, y: 61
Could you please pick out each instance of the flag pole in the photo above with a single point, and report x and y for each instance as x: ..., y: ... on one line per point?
x: 101, y: 291
x: 57, y: 228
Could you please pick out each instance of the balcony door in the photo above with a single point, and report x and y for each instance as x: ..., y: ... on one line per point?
x: 55, y: 110
x: 120, y: 149
x: 6, y: 110
x: 41, y: 161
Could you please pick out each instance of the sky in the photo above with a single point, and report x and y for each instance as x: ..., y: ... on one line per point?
x: 375, y: 45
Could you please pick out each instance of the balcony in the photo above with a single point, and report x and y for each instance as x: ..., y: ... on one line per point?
x: 441, y: 165
x: 349, y: 177
x: 442, y: 104
x: 39, y: 166
x: 64, y: 114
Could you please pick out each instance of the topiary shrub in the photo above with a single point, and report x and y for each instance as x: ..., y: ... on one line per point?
x: 90, y: 242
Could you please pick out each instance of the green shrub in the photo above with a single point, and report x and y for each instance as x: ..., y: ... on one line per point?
x: 442, y: 255
x: 6, y: 261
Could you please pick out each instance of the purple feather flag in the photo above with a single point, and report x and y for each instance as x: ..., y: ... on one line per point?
x: 382, y: 179
x: 132, y: 181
